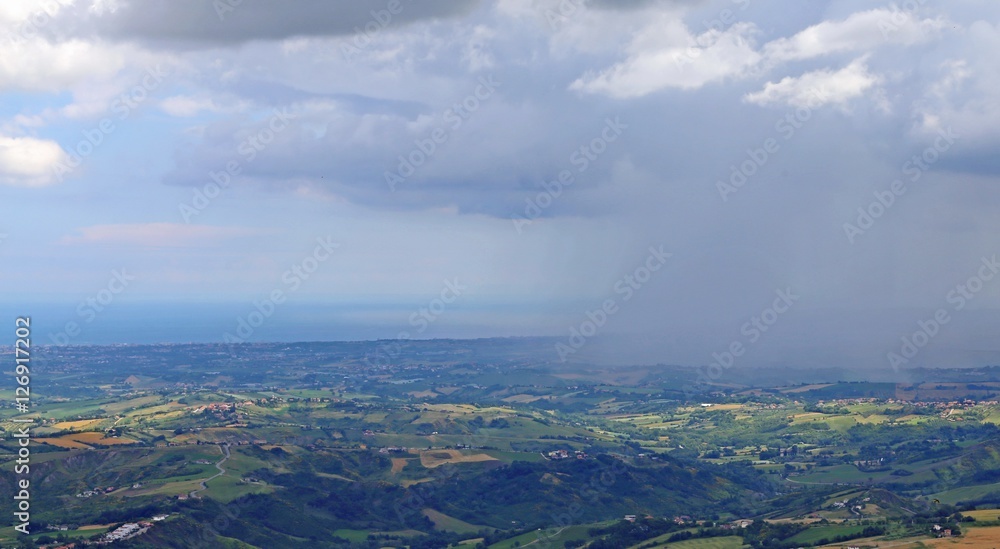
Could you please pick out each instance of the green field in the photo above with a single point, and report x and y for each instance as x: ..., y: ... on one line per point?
x: 553, y: 537
x: 333, y: 446
x: 444, y: 522
x: 966, y: 493
x: 816, y: 533
x: 352, y: 535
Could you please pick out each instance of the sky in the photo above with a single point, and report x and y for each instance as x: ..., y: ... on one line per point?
x: 796, y: 183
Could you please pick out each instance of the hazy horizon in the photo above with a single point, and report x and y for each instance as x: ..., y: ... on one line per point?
x: 805, y: 186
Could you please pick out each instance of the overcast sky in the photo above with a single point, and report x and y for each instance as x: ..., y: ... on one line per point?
x: 533, y: 153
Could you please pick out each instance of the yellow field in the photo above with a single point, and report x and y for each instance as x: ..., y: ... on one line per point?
x: 93, y: 437
x: 85, y: 440
x: 726, y: 407
x: 522, y: 398
x: 436, y: 458
x: 63, y: 443
x: 398, y: 464
x: 983, y: 514
x: 80, y: 425
x: 805, y: 388
x: 974, y: 538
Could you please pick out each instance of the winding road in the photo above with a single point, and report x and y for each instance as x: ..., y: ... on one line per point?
x: 225, y: 451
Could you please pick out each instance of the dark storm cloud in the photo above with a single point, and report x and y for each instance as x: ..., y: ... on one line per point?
x: 237, y: 21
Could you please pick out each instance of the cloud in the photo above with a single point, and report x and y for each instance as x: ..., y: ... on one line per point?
x: 861, y: 31
x: 30, y: 13
x: 40, y: 65
x: 28, y: 162
x: 184, y: 106
x: 686, y: 63
x: 160, y: 235
x: 816, y: 88
x: 664, y: 54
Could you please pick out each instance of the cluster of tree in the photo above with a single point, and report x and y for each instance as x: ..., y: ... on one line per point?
x: 626, y: 534
x: 867, y: 532
x: 770, y: 534
x: 603, y: 486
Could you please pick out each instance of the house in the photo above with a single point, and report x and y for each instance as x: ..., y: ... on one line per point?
x: 630, y: 518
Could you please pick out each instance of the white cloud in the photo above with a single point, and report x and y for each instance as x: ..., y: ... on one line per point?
x: 817, y: 88
x: 38, y: 65
x: 861, y: 31
x: 185, y: 106
x: 664, y: 54
x: 100, y: 7
x: 30, y: 13
x: 962, y: 94
x: 27, y: 161
x: 654, y: 65
x: 477, y: 55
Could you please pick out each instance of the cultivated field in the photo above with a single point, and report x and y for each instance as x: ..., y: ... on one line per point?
x: 436, y: 458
